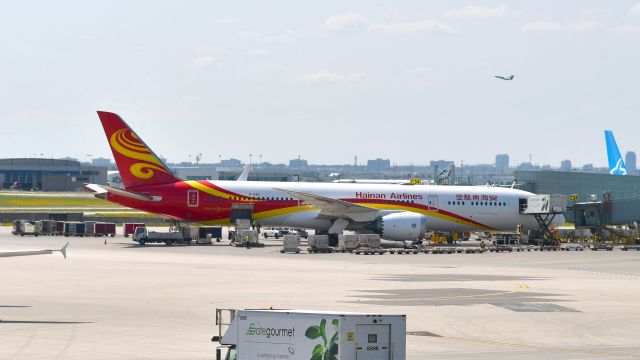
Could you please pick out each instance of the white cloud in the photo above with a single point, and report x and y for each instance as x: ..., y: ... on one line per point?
x: 257, y: 52
x: 635, y: 10
x: 205, y: 61
x: 353, y: 21
x: 541, y: 26
x: 477, y: 12
x: 347, y: 20
x: 325, y: 76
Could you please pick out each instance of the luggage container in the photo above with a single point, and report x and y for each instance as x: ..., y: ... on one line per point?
x: 291, y: 244
x: 74, y: 228
x: 130, y: 228
x: 347, y: 242
x: 371, y: 241
x: 58, y: 228
x: 46, y: 227
x: 304, y: 335
x: 214, y: 231
x: 16, y: 227
x: 318, y: 243
x: 90, y: 228
x: 105, y: 229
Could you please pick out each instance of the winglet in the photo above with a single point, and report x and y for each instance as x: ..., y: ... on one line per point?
x: 63, y: 250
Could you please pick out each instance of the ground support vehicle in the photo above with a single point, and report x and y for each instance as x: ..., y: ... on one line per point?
x: 304, y: 335
x: 130, y: 228
x: 25, y: 227
x: 143, y: 236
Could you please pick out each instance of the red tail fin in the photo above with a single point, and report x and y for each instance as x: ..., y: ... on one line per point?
x: 138, y: 165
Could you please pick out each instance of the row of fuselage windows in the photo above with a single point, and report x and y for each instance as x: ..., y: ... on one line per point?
x: 244, y: 198
x: 268, y: 198
x: 478, y: 203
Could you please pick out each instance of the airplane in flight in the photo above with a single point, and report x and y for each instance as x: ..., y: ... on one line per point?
x: 501, y: 77
x: 616, y: 163
x: 395, y: 211
x: 10, y: 253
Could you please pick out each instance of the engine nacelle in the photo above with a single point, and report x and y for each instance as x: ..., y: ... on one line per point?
x: 401, y: 226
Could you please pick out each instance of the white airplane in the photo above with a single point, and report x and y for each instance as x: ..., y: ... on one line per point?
x: 396, y: 212
x: 510, y: 77
x: 9, y: 253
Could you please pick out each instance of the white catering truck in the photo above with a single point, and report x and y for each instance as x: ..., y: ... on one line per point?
x: 305, y: 335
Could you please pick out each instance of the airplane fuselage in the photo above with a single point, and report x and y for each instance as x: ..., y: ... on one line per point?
x: 447, y: 208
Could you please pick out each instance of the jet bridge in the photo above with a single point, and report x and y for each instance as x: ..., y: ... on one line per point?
x: 544, y: 209
x: 603, y: 215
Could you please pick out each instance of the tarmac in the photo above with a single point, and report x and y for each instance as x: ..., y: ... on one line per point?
x: 124, y: 301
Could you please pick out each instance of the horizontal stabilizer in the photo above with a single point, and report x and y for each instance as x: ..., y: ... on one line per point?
x: 102, y: 190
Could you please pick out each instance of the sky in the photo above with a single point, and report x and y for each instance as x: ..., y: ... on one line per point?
x: 411, y: 81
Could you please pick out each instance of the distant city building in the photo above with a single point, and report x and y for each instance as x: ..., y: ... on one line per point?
x: 565, y: 165
x: 502, y: 162
x: 527, y: 166
x: 231, y: 163
x: 298, y: 163
x: 378, y: 164
x: 101, y: 162
x: 630, y: 162
x: 587, y: 167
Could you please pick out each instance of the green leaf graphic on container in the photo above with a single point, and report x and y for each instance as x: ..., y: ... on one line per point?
x: 324, y: 351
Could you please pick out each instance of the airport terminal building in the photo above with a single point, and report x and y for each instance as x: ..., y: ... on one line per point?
x: 49, y: 174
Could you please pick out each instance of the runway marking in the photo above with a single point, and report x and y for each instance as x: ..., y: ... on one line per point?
x: 540, y: 347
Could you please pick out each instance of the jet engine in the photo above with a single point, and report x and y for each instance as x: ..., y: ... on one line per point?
x: 401, y: 226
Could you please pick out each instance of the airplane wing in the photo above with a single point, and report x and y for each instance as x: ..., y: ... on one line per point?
x: 62, y: 250
x: 101, y: 191
x: 336, y: 208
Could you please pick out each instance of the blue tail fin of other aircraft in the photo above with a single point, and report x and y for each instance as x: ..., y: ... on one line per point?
x: 616, y: 163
